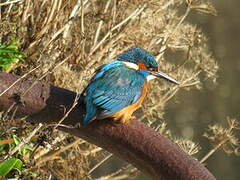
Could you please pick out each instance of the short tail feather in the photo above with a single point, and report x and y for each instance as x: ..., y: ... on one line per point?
x: 90, y: 111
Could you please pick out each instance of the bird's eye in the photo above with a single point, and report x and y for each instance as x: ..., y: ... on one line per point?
x: 152, y: 69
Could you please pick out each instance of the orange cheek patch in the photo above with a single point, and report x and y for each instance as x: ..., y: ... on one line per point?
x: 141, y: 66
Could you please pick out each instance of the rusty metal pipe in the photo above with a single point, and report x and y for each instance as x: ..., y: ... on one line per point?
x: 150, y: 152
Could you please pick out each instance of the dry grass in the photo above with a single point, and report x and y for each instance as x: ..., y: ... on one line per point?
x: 68, y: 40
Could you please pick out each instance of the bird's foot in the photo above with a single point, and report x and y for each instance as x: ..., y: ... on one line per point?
x: 127, y: 119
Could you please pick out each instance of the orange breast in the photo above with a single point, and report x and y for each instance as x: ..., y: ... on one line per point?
x: 125, y: 114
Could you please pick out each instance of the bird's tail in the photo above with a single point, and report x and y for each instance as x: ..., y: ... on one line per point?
x: 90, y: 111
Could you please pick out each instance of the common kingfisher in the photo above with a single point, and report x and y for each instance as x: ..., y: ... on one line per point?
x: 118, y: 88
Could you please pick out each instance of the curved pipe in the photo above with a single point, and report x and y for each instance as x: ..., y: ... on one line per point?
x: 150, y: 152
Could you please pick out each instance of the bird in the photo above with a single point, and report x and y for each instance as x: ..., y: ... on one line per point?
x: 118, y: 88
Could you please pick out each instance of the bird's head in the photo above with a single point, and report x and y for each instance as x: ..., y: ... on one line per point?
x: 140, y: 59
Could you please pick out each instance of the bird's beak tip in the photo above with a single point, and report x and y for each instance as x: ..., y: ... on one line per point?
x: 167, y: 77
x: 176, y: 82
x: 173, y: 81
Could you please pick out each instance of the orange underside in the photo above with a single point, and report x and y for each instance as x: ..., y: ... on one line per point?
x: 125, y: 114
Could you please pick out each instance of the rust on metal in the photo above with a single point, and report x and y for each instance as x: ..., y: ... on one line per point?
x: 150, y: 152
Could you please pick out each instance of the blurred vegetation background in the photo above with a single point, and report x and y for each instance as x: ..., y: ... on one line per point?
x: 197, y: 109
x: 66, y: 43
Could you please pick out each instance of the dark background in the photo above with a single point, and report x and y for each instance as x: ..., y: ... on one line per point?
x: 195, y: 109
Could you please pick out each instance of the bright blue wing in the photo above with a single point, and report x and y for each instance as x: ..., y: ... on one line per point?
x: 113, y: 87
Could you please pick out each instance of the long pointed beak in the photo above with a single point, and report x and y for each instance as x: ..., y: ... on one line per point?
x: 165, y: 76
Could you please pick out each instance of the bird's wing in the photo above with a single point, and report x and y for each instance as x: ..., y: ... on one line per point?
x: 113, y: 87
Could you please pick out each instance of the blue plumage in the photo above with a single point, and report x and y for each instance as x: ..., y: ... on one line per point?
x: 113, y: 87
x: 136, y: 54
x: 118, y: 84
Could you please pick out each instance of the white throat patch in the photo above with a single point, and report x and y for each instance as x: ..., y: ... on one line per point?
x: 135, y: 66
x: 150, y: 77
